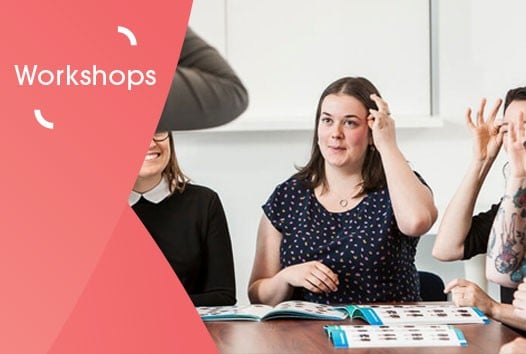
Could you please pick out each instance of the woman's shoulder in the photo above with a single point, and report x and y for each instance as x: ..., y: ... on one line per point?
x: 288, y: 190
x: 292, y: 184
x: 196, y: 190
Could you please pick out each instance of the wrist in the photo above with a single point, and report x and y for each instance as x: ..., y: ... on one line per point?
x: 281, y: 279
x: 388, y: 151
x: 494, y: 310
x: 481, y: 167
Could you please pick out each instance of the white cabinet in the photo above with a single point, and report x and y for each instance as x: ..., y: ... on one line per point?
x: 287, y: 51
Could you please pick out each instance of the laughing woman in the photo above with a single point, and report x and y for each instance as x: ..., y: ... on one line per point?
x: 344, y: 229
x: 188, y: 224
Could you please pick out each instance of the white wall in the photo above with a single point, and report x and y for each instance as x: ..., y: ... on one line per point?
x: 244, y: 167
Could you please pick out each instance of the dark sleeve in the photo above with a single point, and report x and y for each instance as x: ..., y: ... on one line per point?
x: 421, y: 179
x: 477, y: 238
x: 219, y: 285
x: 205, y: 91
x: 274, y: 208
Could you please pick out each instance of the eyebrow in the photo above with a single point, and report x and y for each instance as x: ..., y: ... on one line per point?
x: 346, y: 116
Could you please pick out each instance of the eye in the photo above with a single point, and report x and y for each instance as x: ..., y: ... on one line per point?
x: 326, y: 120
x: 351, y: 122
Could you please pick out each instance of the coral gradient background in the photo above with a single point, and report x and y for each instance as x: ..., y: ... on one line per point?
x: 78, y: 271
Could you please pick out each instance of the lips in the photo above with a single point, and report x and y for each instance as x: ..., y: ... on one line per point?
x: 151, y: 156
x: 338, y: 148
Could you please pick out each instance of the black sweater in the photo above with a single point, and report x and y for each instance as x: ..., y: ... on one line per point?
x: 191, y: 230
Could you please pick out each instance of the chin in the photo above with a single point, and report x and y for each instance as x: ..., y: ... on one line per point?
x: 149, y: 173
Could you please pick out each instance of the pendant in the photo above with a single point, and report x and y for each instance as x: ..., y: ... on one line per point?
x: 343, y: 203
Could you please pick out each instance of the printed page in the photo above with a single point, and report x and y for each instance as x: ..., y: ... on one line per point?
x: 305, y: 309
x: 349, y: 336
x: 432, y: 314
x: 242, y: 312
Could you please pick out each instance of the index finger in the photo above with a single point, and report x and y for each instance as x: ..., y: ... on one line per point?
x: 480, y: 112
x: 495, y: 109
x: 469, y: 121
x: 327, y: 271
x: 380, y: 102
x: 454, y: 283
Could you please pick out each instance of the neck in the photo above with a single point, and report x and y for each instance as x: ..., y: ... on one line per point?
x: 341, y: 181
x: 144, y: 184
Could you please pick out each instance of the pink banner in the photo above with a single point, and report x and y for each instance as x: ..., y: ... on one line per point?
x: 83, y: 85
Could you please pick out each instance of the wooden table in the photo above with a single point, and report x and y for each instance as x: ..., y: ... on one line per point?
x: 308, y: 336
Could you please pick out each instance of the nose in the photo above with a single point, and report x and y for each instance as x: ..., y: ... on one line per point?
x: 337, y: 131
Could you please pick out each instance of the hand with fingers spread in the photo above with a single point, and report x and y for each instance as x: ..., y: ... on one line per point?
x: 487, y: 132
x: 460, y: 231
x: 313, y: 276
x: 516, y: 146
x: 467, y: 293
x: 382, y: 125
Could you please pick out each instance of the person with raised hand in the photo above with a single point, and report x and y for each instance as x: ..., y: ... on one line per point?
x: 344, y: 228
x: 462, y: 235
x: 505, y: 263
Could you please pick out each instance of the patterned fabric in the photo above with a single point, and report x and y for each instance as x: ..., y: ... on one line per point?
x: 374, y: 261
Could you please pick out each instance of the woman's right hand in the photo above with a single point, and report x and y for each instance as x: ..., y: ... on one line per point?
x: 516, y: 146
x: 467, y: 293
x: 487, y: 132
x: 519, y: 300
x: 313, y: 276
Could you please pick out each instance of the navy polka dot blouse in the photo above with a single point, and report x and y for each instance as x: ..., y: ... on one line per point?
x: 374, y: 261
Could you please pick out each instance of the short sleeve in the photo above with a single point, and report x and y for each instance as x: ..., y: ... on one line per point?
x: 476, y: 241
x: 274, y: 208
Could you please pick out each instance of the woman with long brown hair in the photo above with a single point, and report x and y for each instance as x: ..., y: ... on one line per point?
x: 344, y: 229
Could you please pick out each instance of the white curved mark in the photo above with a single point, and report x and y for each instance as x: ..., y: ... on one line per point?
x: 125, y: 31
x: 42, y: 121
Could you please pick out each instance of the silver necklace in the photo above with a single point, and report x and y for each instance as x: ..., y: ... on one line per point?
x: 343, y: 203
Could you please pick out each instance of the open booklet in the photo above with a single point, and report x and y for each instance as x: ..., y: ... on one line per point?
x: 349, y: 336
x: 421, y: 314
x: 287, y: 309
x: 372, y: 314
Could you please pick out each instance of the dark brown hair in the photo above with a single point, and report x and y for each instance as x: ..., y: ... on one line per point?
x: 173, y: 172
x: 516, y: 94
x: 313, y: 173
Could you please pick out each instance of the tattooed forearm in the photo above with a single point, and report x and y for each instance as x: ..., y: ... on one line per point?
x: 506, y: 245
x: 519, y: 201
x: 508, y: 257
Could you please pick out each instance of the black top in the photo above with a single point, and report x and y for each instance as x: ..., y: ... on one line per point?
x: 477, y: 243
x: 205, y: 91
x: 191, y: 230
x: 374, y: 261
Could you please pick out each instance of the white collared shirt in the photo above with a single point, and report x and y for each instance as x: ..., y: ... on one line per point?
x: 155, y: 195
